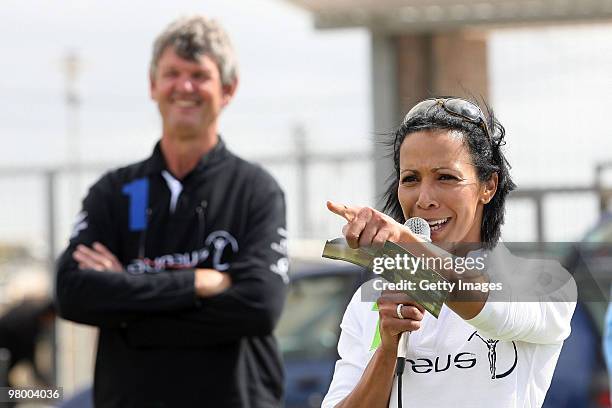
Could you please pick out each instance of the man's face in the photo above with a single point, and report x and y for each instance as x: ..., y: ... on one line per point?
x: 189, y: 94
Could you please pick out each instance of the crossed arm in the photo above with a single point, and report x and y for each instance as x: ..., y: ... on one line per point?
x: 195, y: 306
x: 207, y: 282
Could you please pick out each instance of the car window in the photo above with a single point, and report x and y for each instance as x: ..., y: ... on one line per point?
x: 592, y: 269
x: 309, y: 327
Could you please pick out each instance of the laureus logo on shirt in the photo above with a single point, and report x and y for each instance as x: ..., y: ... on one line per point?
x: 492, y: 354
x: 215, y: 246
x: 467, y: 360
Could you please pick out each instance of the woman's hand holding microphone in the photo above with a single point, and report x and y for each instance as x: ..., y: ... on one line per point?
x: 368, y: 227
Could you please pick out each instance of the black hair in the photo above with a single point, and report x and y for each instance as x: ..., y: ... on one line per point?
x: 486, y: 154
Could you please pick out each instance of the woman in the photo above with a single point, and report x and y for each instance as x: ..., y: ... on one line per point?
x: 449, y: 170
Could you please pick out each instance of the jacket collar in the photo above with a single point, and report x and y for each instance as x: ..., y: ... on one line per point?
x: 156, y: 163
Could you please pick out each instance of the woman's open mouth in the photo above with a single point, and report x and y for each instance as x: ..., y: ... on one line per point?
x: 438, y: 225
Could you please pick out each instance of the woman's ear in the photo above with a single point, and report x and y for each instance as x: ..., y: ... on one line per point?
x: 489, y: 189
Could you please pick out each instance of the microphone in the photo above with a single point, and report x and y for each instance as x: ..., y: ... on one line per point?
x: 419, y: 227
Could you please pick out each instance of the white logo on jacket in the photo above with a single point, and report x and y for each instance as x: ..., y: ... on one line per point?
x: 281, y: 267
x: 80, y: 223
x: 219, y: 240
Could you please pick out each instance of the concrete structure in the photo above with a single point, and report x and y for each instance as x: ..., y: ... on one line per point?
x: 403, y: 16
x: 437, y: 47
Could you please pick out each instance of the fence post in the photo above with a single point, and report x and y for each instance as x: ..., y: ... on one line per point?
x: 539, y: 203
x: 299, y: 138
x: 50, y: 177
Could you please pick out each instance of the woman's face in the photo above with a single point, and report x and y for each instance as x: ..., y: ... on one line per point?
x: 438, y: 182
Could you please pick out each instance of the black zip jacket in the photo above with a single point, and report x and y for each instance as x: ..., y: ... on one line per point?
x: 160, y: 345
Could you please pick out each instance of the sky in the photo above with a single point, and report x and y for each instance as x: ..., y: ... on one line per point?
x: 289, y: 73
x: 550, y: 87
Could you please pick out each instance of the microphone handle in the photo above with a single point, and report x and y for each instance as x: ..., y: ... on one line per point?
x: 402, y: 347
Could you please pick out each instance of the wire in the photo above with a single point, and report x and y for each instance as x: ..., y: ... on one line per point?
x: 399, y: 370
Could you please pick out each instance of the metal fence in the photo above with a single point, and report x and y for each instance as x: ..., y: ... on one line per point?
x: 308, y: 179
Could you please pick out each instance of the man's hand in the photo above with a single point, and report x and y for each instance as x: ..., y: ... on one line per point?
x: 98, y: 258
x: 210, y: 282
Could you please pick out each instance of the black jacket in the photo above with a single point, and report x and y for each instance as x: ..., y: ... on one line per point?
x: 160, y: 345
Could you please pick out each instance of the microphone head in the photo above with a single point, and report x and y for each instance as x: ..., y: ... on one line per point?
x: 419, y: 227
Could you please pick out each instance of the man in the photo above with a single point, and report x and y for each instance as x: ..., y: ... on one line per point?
x: 181, y: 259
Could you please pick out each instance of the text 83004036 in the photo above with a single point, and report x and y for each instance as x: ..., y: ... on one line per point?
x: 8, y: 394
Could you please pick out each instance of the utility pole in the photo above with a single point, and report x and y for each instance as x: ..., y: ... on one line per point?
x: 303, y: 158
x: 68, y: 349
x: 72, y: 68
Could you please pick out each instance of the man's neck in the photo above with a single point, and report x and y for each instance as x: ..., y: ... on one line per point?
x: 183, y: 154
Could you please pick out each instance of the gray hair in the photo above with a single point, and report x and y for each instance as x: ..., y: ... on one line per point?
x: 192, y: 37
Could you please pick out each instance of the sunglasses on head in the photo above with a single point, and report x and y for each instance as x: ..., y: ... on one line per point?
x: 457, y: 107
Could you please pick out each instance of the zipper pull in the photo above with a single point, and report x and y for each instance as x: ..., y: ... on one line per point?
x: 200, y: 210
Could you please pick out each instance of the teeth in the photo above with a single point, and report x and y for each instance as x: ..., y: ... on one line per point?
x: 437, y: 222
x: 436, y: 225
x: 186, y: 104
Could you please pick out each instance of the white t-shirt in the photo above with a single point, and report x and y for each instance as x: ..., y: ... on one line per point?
x: 503, y: 357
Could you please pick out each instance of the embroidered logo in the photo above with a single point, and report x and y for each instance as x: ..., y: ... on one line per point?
x: 215, y: 246
x: 281, y: 267
x: 80, y: 224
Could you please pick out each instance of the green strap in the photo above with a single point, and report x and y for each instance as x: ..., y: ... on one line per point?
x: 376, y: 340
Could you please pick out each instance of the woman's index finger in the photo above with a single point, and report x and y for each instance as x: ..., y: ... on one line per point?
x: 346, y: 212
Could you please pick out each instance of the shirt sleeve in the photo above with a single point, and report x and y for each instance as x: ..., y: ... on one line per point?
x: 353, y: 356
x: 253, y: 303
x: 539, y: 298
x: 109, y: 299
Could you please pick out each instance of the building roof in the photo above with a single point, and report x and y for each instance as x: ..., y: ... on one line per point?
x: 437, y: 15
